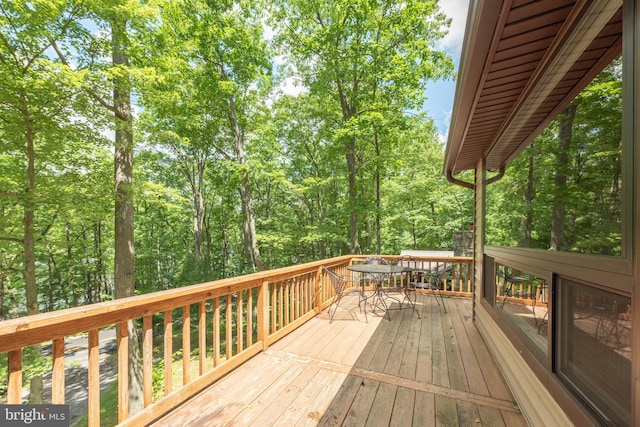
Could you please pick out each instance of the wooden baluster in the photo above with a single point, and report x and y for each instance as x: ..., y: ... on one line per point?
x: 239, y: 323
x: 274, y: 307
x: 229, y: 327
x: 168, y: 352
x: 319, y: 294
x: 186, y: 345
x: 202, y: 337
x: 280, y: 305
x: 216, y: 331
x: 249, y: 317
x: 94, y: 378
x: 57, y: 374
x: 147, y: 360
x: 287, y: 303
x: 295, y: 298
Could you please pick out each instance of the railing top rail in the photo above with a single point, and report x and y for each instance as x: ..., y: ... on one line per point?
x: 24, y: 331
x: 28, y: 330
x: 421, y: 258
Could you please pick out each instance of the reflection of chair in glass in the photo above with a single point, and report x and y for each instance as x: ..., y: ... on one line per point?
x: 543, y: 297
x: 507, y: 284
x: 344, y: 285
x: 430, y: 278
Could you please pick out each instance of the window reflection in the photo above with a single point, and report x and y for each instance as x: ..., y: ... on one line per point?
x: 523, y: 298
x: 595, y: 348
x: 564, y: 192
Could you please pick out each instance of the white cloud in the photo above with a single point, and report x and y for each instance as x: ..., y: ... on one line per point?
x: 457, y: 11
x: 292, y: 86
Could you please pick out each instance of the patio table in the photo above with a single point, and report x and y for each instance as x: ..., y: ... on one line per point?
x: 377, y: 272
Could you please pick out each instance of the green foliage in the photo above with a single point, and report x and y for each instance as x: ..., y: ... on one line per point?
x: 520, y: 207
x: 201, y: 75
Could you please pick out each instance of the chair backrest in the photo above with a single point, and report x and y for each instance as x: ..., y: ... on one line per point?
x: 407, y: 261
x: 337, y: 282
x: 504, y: 275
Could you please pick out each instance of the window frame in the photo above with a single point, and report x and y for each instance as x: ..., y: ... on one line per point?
x: 615, y: 274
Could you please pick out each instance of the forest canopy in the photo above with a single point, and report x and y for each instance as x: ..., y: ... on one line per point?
x: 151, y: 145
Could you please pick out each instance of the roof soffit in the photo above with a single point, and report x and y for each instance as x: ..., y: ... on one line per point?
x: 539, y: 58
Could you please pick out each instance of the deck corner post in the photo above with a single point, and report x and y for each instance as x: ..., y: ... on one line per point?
x: 263, y: 314
x: 14, y: 387
x: 317, y: 291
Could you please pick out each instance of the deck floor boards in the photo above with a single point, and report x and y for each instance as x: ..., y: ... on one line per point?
x: 432, y: 371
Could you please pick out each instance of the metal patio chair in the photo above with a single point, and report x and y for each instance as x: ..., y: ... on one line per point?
x: 344, y: 285
x: 421, y: 278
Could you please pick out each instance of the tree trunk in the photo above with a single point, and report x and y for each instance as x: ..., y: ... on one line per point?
x: 123, y: 177
x: 349, y: 111
x: 565, y: 132
x: 29, y: 271
x: 249, y: 235
x: 354, y: 238
x: 378, y: 203
x: 97, y: 253
x: 196, y: 181
x: 527, y: 220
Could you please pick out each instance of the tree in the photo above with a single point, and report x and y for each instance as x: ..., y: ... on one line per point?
x: 38, y: 99
x: 225, y: 76
x: 116, y: 17
x: 365, y: 57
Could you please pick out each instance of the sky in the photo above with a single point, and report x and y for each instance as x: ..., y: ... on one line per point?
x: 440, y: 94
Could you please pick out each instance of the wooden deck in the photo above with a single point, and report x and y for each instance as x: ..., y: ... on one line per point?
x: 433, y: 371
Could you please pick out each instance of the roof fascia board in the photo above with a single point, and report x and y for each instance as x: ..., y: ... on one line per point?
x: 485, y: 21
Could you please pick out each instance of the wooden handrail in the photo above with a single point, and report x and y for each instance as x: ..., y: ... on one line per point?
x: 263, y: 307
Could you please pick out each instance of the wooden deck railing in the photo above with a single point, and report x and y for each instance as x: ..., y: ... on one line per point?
x: 230, y: 321
x: 525, y: 289
x: 455, y: 273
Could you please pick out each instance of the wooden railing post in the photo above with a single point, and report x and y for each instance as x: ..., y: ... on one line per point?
x: 216, y: 331
x: 263, y: 314
x: 94, y: 377
x: 57, y: 374
x: 147, y: 360
x: 168, y: 352
x: 123, y: 371
x: 317, y: 289
x: 14, y: 388
x: 202, y: 337
x: 186, y: 344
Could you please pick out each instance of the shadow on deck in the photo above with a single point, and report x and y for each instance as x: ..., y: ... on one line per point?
x: 433, y: 371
